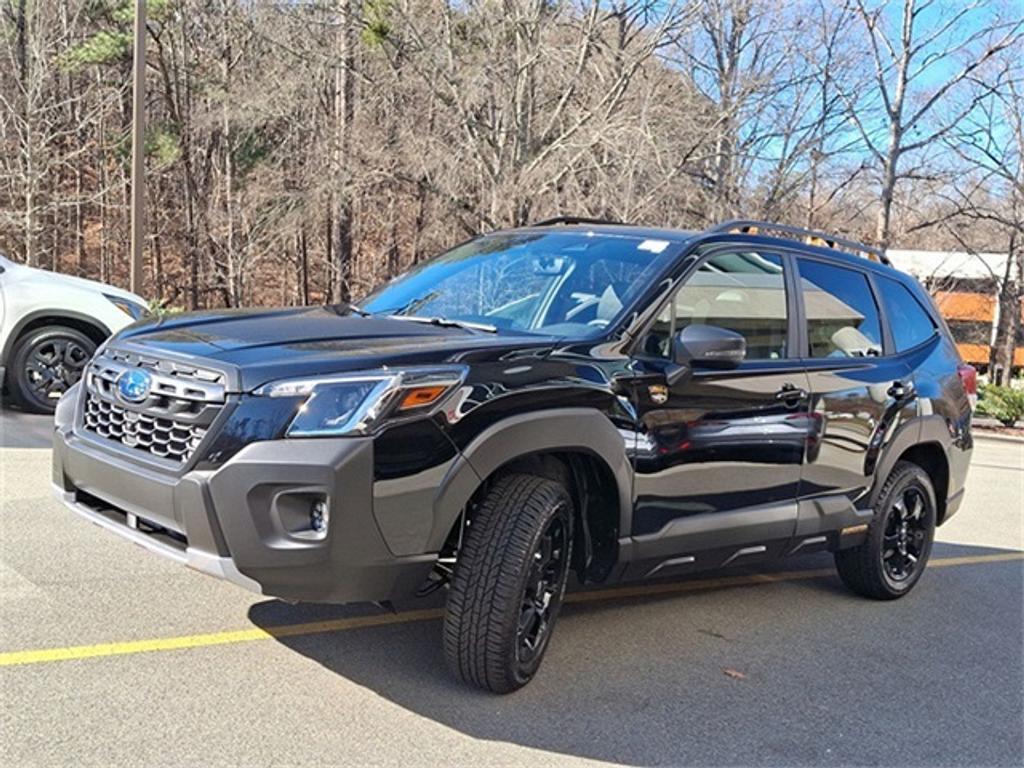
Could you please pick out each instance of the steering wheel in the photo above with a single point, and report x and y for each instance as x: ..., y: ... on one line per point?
x: 598, y: 322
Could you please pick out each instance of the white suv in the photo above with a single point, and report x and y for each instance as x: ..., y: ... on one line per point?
x: 50, y: 325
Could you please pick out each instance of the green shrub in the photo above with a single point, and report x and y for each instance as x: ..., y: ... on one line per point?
x: 1005, y: 404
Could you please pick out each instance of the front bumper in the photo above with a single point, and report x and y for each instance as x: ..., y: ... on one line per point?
x: 242, y: 521
x: 128, y: 527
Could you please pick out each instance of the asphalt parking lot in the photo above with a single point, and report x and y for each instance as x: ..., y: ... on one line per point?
x: 23, y: 430
x: 111, y: 656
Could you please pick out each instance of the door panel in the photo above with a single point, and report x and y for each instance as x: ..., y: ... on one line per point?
x: 853, y: 414
x: 719, y: 452
x: 857, y: 391
x: 721, y: 442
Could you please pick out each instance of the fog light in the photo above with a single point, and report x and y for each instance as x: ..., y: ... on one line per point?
x: 320, y: 516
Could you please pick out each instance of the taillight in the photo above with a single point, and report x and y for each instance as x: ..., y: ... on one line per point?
x: 969, y: 377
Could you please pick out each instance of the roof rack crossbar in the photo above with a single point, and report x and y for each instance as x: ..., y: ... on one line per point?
x: 810, y: 236
x: 572, y: 220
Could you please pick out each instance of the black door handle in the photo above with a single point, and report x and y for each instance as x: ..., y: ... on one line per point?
x: 790, y: 394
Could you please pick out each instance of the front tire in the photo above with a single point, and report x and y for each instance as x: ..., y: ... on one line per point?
x: 45, y: 363
x: 892, y: 558
x: 509, y: 583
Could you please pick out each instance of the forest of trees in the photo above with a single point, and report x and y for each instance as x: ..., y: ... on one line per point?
x: 301, y: 151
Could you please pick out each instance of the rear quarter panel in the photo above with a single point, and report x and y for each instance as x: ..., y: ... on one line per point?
x: 943, y: 406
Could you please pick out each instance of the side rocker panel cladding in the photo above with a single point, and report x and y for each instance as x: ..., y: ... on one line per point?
x: 562, y: 429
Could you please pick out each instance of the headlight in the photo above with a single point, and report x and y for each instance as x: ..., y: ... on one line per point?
x: 355, y: 404
x: 130, y: 308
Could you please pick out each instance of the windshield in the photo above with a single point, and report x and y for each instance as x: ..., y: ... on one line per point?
x: 557, y: 283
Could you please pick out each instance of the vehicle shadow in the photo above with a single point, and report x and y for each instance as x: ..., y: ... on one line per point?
x: 736, y: 667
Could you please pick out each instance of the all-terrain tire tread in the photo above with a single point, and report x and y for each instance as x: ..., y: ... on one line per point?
x: 488, y: 577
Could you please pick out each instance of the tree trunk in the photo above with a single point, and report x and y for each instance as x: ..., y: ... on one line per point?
x: 344, y: 112
x: 28, y: 198
x: 158, y: 263
x: 883, y: 224
x: 234, y: 278
x: 420, y: 222
x: 304, y: 261
x: 1010, y: 295
x: 393, y: 249
x: 181, y: 99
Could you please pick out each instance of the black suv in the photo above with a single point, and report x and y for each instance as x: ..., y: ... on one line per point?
x: 616, y: 401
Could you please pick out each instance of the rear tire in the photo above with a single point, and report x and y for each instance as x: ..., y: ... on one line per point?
x: 509, y: 582
x: 892, y: 558
x: 45, y: 363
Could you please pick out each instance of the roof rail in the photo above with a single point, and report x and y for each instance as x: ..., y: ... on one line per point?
x: 809, y: 236
x: 572, y: 220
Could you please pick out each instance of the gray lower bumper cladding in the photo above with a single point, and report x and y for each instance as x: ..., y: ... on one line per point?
x: 212, y: 565
x: 249, y: 521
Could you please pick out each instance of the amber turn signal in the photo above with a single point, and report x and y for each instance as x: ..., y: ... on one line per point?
x: 417, y: 397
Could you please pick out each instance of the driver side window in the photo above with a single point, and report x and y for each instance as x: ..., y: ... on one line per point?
x: 741, y: 291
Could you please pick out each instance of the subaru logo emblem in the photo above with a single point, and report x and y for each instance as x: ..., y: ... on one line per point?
x: 133, y: 385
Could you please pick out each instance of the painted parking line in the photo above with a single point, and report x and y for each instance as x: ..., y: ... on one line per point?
x: 72, y: 653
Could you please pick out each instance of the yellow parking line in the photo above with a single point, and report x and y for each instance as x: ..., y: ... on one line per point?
x: 15, y: 658
x: 41, y: 656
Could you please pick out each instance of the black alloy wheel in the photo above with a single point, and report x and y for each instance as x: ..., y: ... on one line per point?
x: 906, y: 535
x: 892, y: 558
x: 46, y: 363
x: 542, y: 593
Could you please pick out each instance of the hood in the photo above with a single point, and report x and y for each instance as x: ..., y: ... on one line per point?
x: 47, y: 280
x: 265, y: 345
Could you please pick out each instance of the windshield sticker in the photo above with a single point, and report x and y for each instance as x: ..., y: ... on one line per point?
x: 654, y: 246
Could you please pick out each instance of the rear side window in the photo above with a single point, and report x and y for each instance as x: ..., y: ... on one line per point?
x: 842, y: 317
x: 908, y: 320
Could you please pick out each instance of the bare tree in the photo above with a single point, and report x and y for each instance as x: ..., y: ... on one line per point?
x: 523, y: 128
x: 40, y: 121
x: 344, y: 114
x: 737, y: 57
x: 306, y: 151
x: 912, y: 47
x: 989, y: 193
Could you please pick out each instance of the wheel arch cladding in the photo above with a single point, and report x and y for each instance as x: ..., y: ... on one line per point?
x: 921, y: 441
x: 591, y: 484
x: 577, y: 446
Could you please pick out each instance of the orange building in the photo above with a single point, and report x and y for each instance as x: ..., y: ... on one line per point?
x: 963, y: 310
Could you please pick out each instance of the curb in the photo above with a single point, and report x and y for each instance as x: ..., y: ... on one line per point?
x: 980, y: 434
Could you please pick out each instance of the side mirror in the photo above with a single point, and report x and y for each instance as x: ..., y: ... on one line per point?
x: 708, y: 346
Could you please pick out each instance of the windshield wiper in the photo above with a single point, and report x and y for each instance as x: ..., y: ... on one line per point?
x: 445, y: 322
x: 415, y: 304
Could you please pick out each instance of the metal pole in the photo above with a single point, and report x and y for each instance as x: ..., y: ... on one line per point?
x: 138, y: 147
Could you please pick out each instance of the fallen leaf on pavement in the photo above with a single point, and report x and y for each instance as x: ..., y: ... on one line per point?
x: 712, y: 633
x: 733, y: 673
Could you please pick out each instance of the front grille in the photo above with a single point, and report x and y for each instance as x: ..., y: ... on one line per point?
x: 170, y: 423
x: 161, y: 437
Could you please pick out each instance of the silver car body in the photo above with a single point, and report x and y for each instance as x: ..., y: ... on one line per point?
x: 28, y: 294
